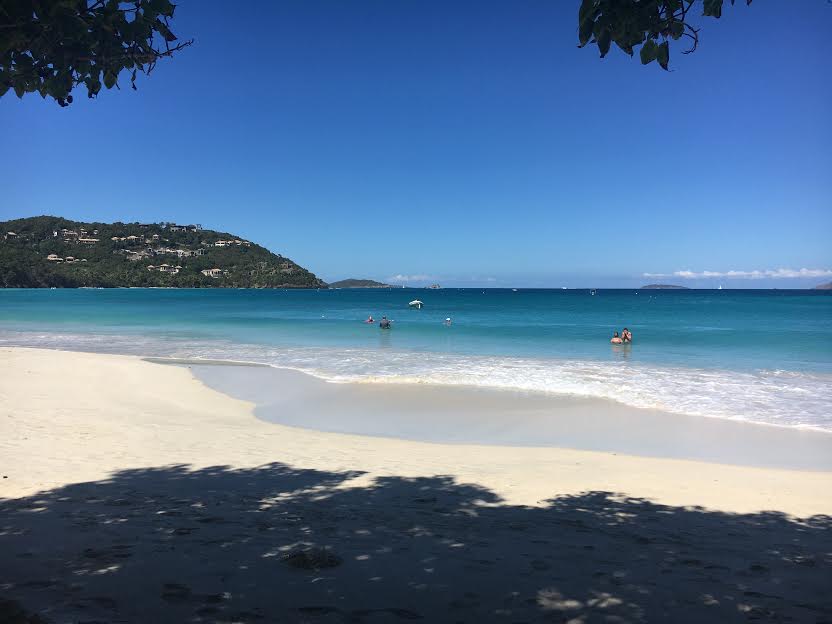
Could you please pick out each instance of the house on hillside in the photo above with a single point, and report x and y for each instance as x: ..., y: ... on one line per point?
x: 214, y: 273
x: 165, y: 268
x: 193, y: 227
x: 54, y: 258
x: 88, y: 241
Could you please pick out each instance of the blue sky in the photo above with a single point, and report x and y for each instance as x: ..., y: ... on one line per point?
x: 469, y: 143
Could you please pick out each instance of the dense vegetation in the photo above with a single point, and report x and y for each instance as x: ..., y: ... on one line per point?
x: 651, y: 24
x: 24, y: 257
x: 51, y: 46
x: 359, y: 283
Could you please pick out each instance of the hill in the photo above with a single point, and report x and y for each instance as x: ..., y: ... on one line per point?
x: 664, y: 287
x: 42, y: 252
x: 359, y: 283
x: 826, y: 286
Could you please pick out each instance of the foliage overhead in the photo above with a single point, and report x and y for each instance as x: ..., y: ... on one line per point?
x: 51, y: 46
x: 649, y: 23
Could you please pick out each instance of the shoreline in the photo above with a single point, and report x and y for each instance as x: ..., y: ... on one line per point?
x: 137, y: 402
x: 470, y: 415
x: 156, y: 356
x: 133, y: 492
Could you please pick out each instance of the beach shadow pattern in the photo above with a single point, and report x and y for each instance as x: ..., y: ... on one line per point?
x: 280, y: 544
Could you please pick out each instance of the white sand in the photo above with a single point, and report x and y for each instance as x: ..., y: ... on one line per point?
x: 83, y: 416
x: 481, y: 541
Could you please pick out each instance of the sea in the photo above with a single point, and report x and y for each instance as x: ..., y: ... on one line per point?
x: 761, y: 356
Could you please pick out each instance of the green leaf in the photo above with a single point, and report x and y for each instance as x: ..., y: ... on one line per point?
x: 585, y: 31
x: 604, y: 40
x: 165, y: 31
x: 648, y: 52
x: 712, y: 8
x: 677, y: 29
x: 587, y: 10
x: 109, y: 79
x: 663, y: 55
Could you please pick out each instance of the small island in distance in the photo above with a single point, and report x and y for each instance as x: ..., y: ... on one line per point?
x: 826, y: 286
x: 664, y: 287
x: 359, y: 283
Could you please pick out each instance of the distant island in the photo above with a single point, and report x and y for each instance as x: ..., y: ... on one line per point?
x: 664, y: 287
x: 826, y: 286
x: 52, y: 252
x: 359, y: 283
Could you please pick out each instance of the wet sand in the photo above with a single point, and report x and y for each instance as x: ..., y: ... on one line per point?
x: 469, y: 415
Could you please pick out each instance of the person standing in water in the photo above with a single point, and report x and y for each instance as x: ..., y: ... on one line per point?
x: 626, y: 335
x: 448, y: 321
x: 384, y: 324
x: 616, y: 339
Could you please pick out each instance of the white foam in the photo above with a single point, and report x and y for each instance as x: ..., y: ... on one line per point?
x: 774, y: 397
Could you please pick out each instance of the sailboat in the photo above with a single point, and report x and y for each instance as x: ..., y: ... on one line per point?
x: 720, y: 287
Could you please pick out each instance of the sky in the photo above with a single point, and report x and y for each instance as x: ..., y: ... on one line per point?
x: 465, y: 143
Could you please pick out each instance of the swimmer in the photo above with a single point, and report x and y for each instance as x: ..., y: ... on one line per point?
x: 616, y: 339
x: 448, y: 321
x: 370, y: 319
x: 384, y: 324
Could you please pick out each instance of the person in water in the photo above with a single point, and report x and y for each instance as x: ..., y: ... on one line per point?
x: 384, y: 324
x: 626, y: 335
x: 448, y: 321
x: 370, y: 319
x: 616, y: 339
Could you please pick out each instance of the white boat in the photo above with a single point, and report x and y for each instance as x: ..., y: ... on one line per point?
x: 416, y: 304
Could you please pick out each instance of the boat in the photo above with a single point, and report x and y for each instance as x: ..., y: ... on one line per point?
x: 416, y: 304
x: 592, y: 292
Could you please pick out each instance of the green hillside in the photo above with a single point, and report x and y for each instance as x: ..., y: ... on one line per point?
x: 359, y: 283
x: 41, y: 252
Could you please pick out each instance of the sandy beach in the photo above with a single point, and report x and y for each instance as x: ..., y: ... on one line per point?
x: 133, y: 492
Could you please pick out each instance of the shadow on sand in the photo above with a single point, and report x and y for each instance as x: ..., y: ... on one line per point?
x: 277, y: 544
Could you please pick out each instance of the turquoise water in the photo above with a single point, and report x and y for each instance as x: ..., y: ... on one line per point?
x: 764, y: 356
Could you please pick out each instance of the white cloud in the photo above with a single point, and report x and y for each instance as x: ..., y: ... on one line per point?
x: 408, y: 278
x: 734, y: 274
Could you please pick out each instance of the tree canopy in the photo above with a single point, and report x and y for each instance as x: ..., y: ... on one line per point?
x: 52, y: 46
x: 648, y: 23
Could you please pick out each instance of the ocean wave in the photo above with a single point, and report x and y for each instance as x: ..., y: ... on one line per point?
x: 773, y: 397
